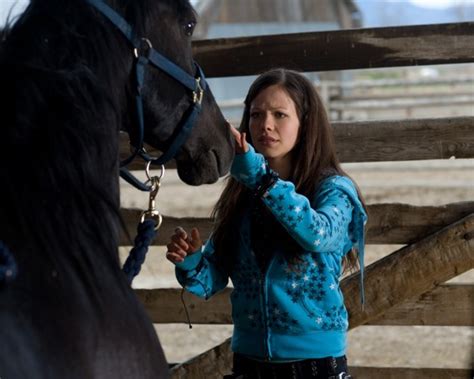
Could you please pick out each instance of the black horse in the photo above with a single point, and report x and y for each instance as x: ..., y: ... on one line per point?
x: 66, y: 91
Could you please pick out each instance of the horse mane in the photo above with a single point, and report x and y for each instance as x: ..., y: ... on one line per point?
x: 65, y: 93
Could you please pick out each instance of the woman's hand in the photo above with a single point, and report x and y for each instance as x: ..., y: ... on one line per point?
x: 241, y: 145
x: 182, y: 244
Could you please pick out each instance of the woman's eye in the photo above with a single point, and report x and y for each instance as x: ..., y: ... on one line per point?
x: 280, y: 115
x: 254, y: 115
x: 189, y: 28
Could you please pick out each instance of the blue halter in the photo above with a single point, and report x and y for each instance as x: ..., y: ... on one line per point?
x: 145, y: 54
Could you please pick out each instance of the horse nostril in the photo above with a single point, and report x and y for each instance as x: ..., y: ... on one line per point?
x: 223, y: 161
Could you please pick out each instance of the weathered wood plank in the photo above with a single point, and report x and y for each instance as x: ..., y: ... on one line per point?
x: 213, y: 363
x: 132, y: 217
x: 440, y: 96
x: 388, y: 223
x: 338, y: 50
x: 405, y: 223
x: 390, y: 140
x: 377, y: 83
x: 411, y: 271
x: 164, y: 306
x: 399, y: 102
x: 446, y: 305
x: 397, y: 140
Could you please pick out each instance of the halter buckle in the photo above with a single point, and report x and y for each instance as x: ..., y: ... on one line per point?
x: 198, y: 94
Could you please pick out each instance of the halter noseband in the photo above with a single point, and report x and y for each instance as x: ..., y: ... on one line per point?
x: 145, y: 54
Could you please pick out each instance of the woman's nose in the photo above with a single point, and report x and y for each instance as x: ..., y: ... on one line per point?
x: 267, y: 122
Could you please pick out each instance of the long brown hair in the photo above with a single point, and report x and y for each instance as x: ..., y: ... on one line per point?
x: 313, y: 158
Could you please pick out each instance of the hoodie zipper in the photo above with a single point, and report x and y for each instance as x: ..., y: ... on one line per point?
x: 266, y: 350
x: 263, y: 304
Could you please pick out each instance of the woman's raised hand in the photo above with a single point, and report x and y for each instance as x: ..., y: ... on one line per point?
x: 183, y: 244
x: 241, y: 145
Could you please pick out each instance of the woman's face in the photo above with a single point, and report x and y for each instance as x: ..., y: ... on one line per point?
x: 274, y: 124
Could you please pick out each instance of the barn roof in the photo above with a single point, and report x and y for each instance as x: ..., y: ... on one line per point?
x: 342, y: 13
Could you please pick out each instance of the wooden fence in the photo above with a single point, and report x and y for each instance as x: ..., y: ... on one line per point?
x: 401, y: 98
x: 350, y: 100
x: 406, y: 287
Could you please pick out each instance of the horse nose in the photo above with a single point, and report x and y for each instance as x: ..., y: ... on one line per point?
x: 223, y: 158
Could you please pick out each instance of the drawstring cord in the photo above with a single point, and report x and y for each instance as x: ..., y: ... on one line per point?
x: 185, y: 308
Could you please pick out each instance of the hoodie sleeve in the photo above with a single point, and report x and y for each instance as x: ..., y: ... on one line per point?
x: 248, y: 168
x: 318, y: 226
x: 199, y: 273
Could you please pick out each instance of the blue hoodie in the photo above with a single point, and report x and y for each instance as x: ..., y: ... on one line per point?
x: 289, y: 312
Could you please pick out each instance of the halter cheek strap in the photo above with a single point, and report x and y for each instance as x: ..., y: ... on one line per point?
x: 145, y: 54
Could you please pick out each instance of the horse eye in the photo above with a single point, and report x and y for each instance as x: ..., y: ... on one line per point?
x: 189, y: 28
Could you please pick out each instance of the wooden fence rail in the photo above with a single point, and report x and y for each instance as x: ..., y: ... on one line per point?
x: 448, y: 304
x: 388, y: 223
x: 411, y: 271
x: 336, y: 85
x: 395, y: 102
x: 393, y: 140
x: 338, y: 50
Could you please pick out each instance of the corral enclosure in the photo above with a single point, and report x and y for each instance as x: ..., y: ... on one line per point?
x: 420, y: 201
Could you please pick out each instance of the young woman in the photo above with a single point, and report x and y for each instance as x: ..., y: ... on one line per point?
x: 286, y: 225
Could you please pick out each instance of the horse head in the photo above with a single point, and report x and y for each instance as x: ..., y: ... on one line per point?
x: 173, y: 88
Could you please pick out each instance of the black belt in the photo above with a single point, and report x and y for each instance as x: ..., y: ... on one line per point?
x: 327, y: 368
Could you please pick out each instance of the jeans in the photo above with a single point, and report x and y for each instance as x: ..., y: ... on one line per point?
x: 324, y: 368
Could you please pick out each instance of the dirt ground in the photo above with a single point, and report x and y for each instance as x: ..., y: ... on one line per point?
x: 418, y: 183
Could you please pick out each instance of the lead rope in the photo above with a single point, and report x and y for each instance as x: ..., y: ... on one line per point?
x: 147, y: 229
x: 145, y: 235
